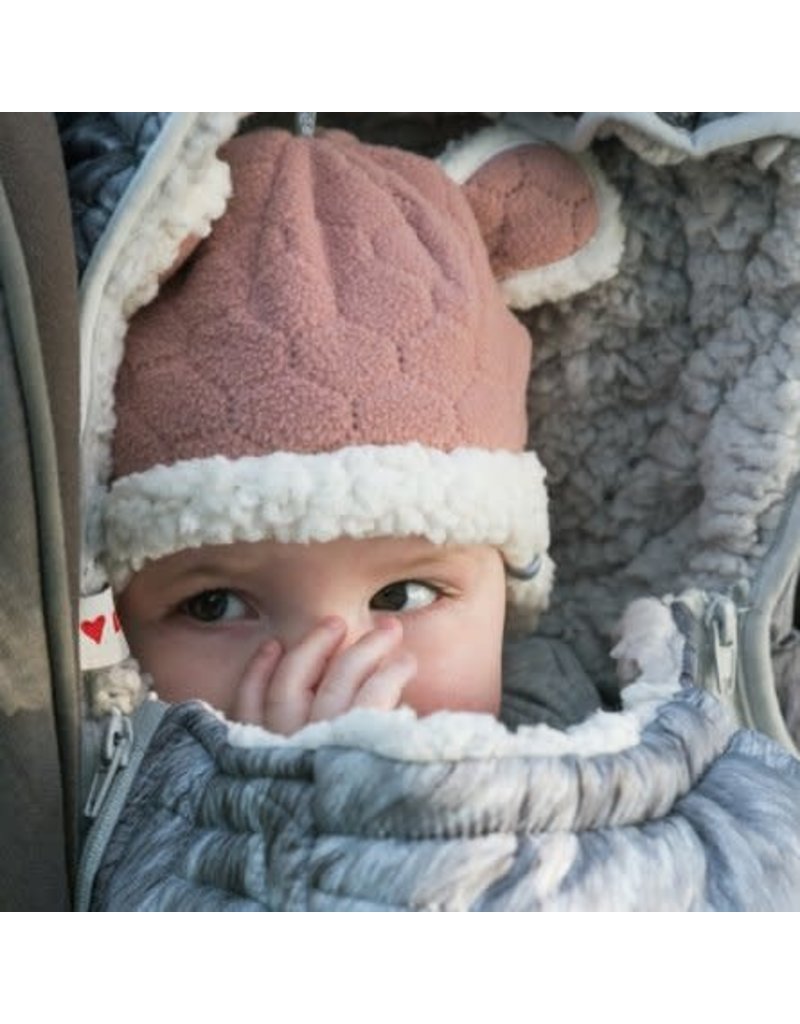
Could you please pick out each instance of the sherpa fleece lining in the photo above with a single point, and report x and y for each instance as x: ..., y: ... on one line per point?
x: 467, y: 496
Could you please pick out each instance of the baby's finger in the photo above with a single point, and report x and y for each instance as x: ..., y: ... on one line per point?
x: 349, y: 670
x: 248, y: 705
x: 291, y: 689
x: 383, y: 689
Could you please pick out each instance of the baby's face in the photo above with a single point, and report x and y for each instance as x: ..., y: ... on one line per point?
x: 196, y: 619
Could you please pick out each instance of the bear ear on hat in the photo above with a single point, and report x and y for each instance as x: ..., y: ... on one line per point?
x: 549, y: 219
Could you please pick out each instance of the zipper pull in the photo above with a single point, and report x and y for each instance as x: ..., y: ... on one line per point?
x: 721, y: 618
x: 114, y: 758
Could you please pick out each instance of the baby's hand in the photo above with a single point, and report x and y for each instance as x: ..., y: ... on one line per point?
x: 314, y: 680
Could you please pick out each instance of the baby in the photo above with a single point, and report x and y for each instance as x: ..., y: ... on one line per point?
x: 321, y: 497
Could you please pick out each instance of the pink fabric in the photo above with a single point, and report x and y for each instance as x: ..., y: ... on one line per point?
x: 523, y: 232
x: 345, y: 298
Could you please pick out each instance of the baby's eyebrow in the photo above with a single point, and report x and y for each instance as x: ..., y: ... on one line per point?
x: 205, y: 570
x: 433, y: 561
x: 219, y: 561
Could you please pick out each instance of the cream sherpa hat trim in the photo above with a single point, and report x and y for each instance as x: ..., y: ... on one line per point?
x: 467, y: 496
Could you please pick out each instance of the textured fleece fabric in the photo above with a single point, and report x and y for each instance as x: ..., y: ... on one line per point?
x: 518, y: 233
x: 665, y: 403
x: 344, y: 299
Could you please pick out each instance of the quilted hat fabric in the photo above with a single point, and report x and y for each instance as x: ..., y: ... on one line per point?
x: 520, y: 233
x: 345, y: 299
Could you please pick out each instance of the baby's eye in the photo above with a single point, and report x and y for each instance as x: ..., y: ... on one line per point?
x: 405, y: 596
x: 215, y: 606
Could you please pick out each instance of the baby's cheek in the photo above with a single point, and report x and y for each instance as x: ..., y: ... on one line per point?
x: 455, y: 673
x: 189, y: 671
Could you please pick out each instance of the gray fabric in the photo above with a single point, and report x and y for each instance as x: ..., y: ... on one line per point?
x: 666, y: 139
x: 32, y: 834
x: 786, y: 663
x: 102, y: 152
x: 694, y: 817
x: 785, y: 654
x: 118, y: 755
x: 24, y: 664
x: 663, y: 403
x: 543, y: 681
x: 39, y: 689
x: 691, y: 121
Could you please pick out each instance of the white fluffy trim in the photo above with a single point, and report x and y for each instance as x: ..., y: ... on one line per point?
x: 650, y: 645
x: 468, y: 496
x: 463, y: 158
x: 597, y: 261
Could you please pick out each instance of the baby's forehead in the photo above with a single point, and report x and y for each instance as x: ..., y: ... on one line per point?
x: 242, y: 558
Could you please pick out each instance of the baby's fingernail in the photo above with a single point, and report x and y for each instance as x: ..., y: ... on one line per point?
x: 333, y: 624
x: 388, y: 624
x: 268, y: 651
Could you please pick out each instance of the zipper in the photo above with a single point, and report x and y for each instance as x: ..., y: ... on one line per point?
x: 715, y: 634
x: 721, y: 619
x: 124, y: 745
x: 114, y: 757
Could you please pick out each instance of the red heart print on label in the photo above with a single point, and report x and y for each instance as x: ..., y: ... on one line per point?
x: 115, y: 622
x: 93, y: 628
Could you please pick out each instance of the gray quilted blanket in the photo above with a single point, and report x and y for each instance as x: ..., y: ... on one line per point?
x: 693, y: 816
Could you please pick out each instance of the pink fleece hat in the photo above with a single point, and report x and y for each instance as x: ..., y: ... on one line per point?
x: 337, y: 359
x: 345, y: 298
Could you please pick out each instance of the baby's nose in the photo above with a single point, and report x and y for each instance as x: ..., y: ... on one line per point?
x: 357, y: 623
